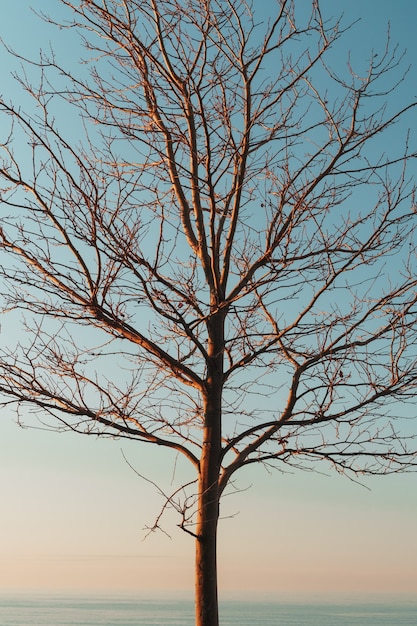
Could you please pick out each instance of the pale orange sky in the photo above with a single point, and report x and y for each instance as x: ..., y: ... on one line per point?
x: 73, y: 514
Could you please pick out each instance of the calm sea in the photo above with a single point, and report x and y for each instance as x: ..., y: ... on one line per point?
x: 72, y: 611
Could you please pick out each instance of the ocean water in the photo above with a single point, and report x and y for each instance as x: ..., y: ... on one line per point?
x: 72, y: 611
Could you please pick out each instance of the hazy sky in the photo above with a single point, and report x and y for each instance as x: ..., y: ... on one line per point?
x: 73, y: 512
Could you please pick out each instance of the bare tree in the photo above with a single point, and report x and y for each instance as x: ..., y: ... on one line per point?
x: 222, y: 262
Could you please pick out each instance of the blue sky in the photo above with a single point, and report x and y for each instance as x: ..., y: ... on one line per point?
x: 73, y: 512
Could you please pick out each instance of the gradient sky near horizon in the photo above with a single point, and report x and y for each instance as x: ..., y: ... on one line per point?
x: 73, y: 512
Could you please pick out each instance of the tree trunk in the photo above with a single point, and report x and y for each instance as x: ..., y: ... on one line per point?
x: 206, y: 597
x: 207, y: 613
x: 208, y: 512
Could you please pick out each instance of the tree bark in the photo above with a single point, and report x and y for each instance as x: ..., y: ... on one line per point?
x: 206, y: 543
x: 207, y: 613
